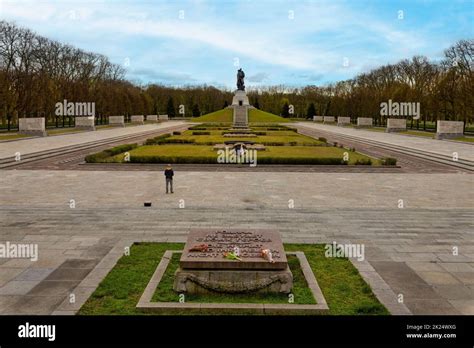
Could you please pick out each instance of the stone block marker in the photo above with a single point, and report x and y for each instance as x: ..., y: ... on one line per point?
x: 85, y: 122
x: 396, y: 125
x: 137, y: 119
x: 152, y: 118
x: 318, y: 118
x: 32, y: 126
x: 118, y: 121
x: 364, y: 122
x: 449, y: 129
x: 163, y: 117
x: 343, y: 121
x: 329, y: 119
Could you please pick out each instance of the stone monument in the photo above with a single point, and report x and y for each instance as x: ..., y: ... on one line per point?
x: 240, y: 103
x: 233, y: 261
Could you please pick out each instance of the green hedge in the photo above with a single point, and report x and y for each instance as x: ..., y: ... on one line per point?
x: 389, y: 161
x: 210, y: 160
x: 101, y: 156
x: 157, y: 140
x: 201, y: 133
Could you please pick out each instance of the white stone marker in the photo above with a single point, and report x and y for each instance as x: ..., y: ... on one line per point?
x: 449, y: 129
x: 139, y: 119
x: 32, y: 126
x: 85, y: 122
x: 318, y: 118
x: 364, y: 122
x: 152, y: 118
x: 117, y: 121
x: 343, y: 120
x: 163, y: 117
x: 329, y: 119
x: 396, y: 125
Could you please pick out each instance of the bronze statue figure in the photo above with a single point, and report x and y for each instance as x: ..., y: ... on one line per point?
x: 240, y: 80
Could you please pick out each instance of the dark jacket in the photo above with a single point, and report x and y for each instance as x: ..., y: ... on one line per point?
x: 169, y: 173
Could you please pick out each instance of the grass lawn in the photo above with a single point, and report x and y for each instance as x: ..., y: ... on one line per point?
x: 344, y: 289
x: 466, y: 139
x: 259, y: 116
x: 12, y: 136
x: 419, y: 133
x: 224, y: 115
x: 171, y: 153
x: 216, y: 137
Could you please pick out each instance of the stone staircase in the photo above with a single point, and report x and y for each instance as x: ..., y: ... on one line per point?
x: 240, y: 117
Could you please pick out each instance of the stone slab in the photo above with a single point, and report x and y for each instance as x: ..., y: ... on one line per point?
x: 32, y: 126
x: 343, y: 120
x: 250, y: 243
x: 139, y: 119
x: 117, y: 121
x: 449, y: 129
x: 365, y: 122
x: 329, y: 119
x: 85, y: 122
x: 152, y: 118
x: 321, y: 307
x: 163, y: 117
x: 318, y: 118
x: 396, y: 125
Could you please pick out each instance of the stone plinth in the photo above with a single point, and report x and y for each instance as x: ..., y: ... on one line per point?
x: 329, y: 119
x: 152, y: 118
x: 137, y: 119
x: 208, y: 269
x: 240, y: 99
x: 449, y: 129
x: 32, y: 126
x: 85, y: 122
x: 117, y: 121
x: 318, y: 118
x: 364, y: 122
x: 396, y: 125
x: 343, y: 121
x: 163, y: 117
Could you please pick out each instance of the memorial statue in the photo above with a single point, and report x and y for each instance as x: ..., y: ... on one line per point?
x: 240, y: 80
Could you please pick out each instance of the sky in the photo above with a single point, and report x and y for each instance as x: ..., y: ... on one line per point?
x: 294, y: 43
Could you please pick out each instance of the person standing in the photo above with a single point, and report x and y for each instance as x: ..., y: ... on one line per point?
x: 169, y: 178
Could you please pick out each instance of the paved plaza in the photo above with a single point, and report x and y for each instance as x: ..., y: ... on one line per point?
x: 410, y: 247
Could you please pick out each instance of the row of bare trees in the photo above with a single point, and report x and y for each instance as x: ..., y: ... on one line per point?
x: 36, y: 73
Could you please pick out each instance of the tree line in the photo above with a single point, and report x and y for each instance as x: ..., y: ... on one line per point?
x: 36, y: 73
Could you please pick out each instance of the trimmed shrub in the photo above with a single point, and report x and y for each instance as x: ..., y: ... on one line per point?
x: 101, y: 156
x: 157, y: 140
x: 389, y: 161
x: 201, y: 133
x: 363, y: 161
x: 176, y: 133
x: 260, y: 133
x: 322, y: 139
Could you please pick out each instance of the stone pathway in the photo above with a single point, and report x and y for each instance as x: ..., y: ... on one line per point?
x: 464, y: 150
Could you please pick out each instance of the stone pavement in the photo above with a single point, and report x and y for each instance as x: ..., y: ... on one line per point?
x: 464, y: 150
x: 27, y: 146
x: 411, y: 248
